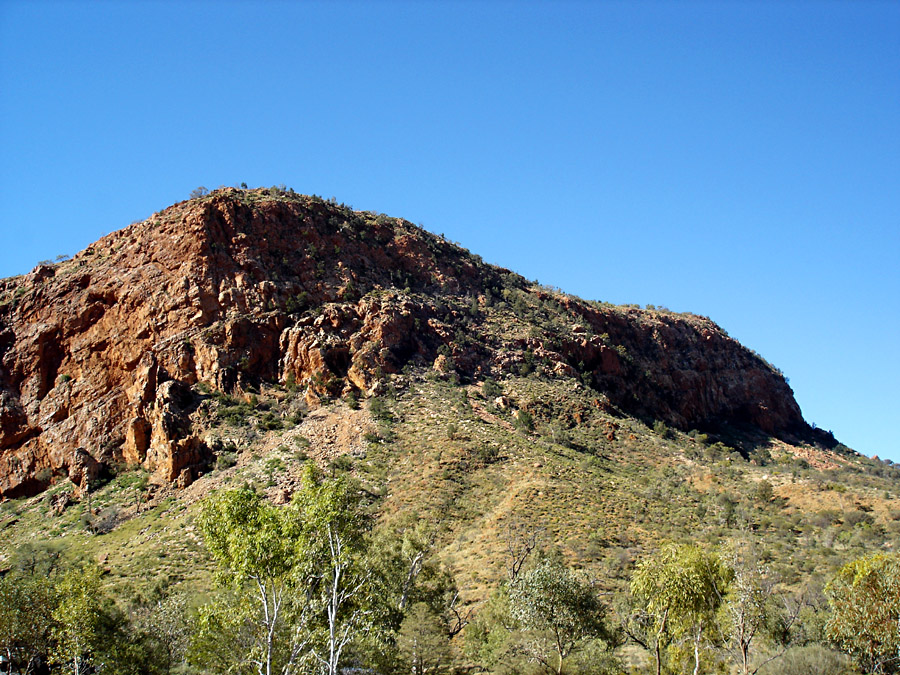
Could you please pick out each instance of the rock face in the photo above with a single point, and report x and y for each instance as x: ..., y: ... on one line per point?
x: 100, y: 355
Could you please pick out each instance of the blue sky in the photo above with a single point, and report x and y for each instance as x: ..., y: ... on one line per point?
x: 739, y: 160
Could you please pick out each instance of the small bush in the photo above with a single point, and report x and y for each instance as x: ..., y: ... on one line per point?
x: 661, y: 429
x: 274, y: 465
x: 352, y: 401
x: 524, y: 421
x: 809, y: 660
x: 702, y: 439
x: 341, y: 463
x: 491, y: 390
x: 107, y: 521
x: 226, y: 460
x: 379, y: 410
x: 857, y: 517
x: 527, y: 365
x: 269, y: 422
x: 487, y: 454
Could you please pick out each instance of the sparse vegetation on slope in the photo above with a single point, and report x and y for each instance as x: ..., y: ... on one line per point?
x: 491, y: 430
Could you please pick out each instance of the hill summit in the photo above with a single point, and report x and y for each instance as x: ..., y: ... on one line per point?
x: 106, y: 356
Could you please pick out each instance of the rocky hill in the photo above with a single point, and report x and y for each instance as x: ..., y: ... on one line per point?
x: 102, y: 354
x: 232, y: 339
x: 241, y: 287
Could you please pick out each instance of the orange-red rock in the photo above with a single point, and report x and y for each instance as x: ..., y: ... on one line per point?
x: 98, y: 354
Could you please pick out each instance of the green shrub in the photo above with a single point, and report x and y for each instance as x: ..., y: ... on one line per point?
x: 524, y: 421
x: 226, y: 460
x: 341, y: 463
x: 352, y: 400
x: 490, y: 389
x: 379, y: 410
x: 809, y: 660
x: 527, y: 365
x: 269, y: 422
x: 661, y: 429
x: 274, y: 465
x: 487, y: 454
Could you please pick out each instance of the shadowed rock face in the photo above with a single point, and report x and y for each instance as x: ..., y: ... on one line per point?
x: 98, y: 355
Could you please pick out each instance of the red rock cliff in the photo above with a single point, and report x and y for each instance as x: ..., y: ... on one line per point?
x: 98, y: 354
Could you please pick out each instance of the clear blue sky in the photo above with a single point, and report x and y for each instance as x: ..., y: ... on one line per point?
x: 739, y: 160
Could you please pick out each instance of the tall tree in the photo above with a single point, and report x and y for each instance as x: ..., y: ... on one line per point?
x: 865, y: 612
x: 754, y: 611
x: 678, y: 590
x: 559, y: 609
x: 258, y: 549
x: 26, y: 618
x: 423, y: 642
x: 78, y: 617
x: 334, y: 530
x: 298, y: 586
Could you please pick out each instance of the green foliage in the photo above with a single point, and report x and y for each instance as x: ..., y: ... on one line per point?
x: 226, y: 460
x: 810, y: 660
x: 165, y: 618
x: 662, y: 430
x: 379, y: 410
x: 341, y: 463
x: 422, y: 641
x: 490, y: 637
x: 297, y: 588
x: 490, y: 389
x: 64, y: 617
x: 680, y: 584
x: 78, y: 619
x: 26, y: 618
x: 486, y: 454
x: 751, y: 612
x: 258, y: 548
x: 269, y: 421
x: 764, y: 492
x: 528, y: 363
x: 249, y: 538
x: 679, y: 590
x: 524, y: 421
x: 352, y: 400
x: 865, y: 612
x: 558, y: 609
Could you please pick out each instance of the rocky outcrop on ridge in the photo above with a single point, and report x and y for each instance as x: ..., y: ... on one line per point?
x: 101, y: 356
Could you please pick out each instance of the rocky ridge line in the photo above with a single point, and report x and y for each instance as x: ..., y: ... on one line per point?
x: 100, y: 356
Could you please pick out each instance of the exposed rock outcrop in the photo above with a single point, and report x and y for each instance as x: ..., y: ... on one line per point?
x: 99, y: 355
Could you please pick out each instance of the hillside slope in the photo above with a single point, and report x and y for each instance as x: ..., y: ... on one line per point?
x: 101, y: 354
x: 230, y: 340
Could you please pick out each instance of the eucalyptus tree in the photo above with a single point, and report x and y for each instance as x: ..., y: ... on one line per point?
x: 297, y: 588
x: 865, y: 612
x: 26, y: 618
x: 558, y: 609
x: 338, y: 581
x: 678, y: 591
x: 754, y: 611
x: 257, y: 625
